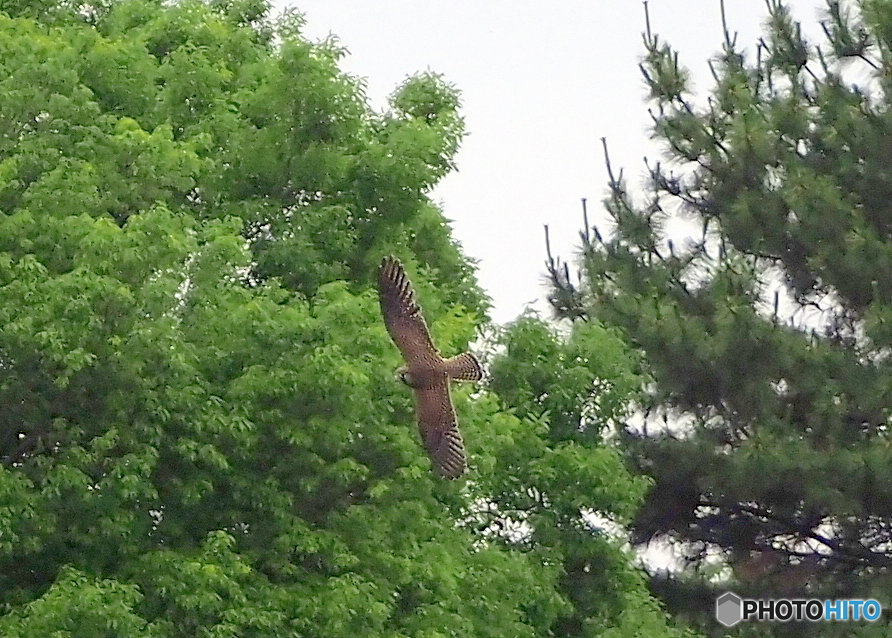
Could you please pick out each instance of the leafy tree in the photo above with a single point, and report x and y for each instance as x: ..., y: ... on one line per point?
x: 766, y: 333
x: 201, y: 433
x: 560, y: 486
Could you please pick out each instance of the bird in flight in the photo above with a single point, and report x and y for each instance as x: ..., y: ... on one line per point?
x: 426, y: 371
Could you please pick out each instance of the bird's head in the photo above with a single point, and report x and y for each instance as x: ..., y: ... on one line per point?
x: 403, y: 374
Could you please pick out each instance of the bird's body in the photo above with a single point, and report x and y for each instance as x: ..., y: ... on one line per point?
x: 426, y: 371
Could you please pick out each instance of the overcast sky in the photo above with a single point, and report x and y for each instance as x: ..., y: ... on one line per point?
x: 541, y: 83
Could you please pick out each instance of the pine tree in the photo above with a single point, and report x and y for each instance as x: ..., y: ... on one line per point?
x: 767, y: 332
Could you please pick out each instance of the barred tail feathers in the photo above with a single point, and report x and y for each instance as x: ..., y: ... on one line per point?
x: 464, y: 367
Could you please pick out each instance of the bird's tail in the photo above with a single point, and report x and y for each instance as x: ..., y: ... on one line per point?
x: 464, y: 367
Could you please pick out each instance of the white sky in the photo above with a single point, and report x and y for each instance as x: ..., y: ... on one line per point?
x: 541, y: 82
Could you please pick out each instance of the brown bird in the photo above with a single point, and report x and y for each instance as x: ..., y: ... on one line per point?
x: 425, y: 371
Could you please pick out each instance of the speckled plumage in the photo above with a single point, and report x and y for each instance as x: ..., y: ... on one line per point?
x: 426, y: 371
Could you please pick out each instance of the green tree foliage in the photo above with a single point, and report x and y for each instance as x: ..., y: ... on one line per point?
x: 559, y: 482
x: 767, y: 333
x: 201, y: 433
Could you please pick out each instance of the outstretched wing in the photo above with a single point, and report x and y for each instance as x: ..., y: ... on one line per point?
x: 402, y: 315
x: 439, y: 430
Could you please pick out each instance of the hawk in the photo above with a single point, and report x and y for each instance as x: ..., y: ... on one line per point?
x: 426, y: 372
